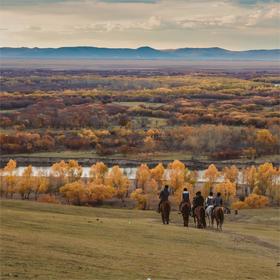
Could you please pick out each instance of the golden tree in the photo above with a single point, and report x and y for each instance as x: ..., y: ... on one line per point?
x: 176, y: 172
x: 143, y: 176
x: 211, y: 175
x: 59, y: 172
x: 97, y: 193
x: 231, y: 173
x: 98, y: 172
x: 9, y: 178
x: 41, y: 183
x: 139, y: 196
x: 26, y: 182
x: 266, y: 180
x: 74, y: 171
x: 249, y: 175
x: 157, y: 174
x: 227, y: 190
x: 74, y: 192
x: 118, y: 181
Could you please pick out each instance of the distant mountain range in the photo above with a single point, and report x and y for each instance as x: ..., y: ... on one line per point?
x: 140, y: 53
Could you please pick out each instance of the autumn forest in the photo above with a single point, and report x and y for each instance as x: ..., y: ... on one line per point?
x: 141, y: 114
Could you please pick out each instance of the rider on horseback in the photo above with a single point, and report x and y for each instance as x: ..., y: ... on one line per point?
x: 198, y: 200
x: 209, y: 200
x: 164, y: 194
x: 185, y: 198
x: 218, y: 201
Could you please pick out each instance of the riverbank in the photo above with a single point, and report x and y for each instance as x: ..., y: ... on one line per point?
x: 192, y: 164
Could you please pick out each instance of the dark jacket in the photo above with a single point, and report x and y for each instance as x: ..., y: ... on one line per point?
x: 218, y: 201
x: 198, y: 200
x: 185, y: 196
x: 164, y: 194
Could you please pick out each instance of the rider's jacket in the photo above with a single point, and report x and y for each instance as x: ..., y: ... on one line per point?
x: 198, y: 201
x: 218, y: 201
x: 185, y: 196
x: 209, y: 200
x: 164, y: 194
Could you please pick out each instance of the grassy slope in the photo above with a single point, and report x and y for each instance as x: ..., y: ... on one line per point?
x: 42, y: 241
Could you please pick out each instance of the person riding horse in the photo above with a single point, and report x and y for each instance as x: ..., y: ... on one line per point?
x: 185, y: 198
x: 209, y: 200
x: 198, y: 200
x: 164, y: 194
x: 218, y: 201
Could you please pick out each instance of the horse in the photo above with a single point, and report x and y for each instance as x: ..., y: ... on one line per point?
x: 165, y: 211
x: 218, y: 215
x: 199, y: 215
x: 208, y: 213
x: 185, y: 211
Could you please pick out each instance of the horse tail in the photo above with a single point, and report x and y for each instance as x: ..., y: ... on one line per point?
x: 202, y: 216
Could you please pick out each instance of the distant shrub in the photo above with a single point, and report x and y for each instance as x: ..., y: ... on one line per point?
x: 256, y: 201
x: 239, y: 205
x: 47, y: 198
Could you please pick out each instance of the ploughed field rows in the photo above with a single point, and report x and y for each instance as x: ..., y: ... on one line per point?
x: 48, y: 241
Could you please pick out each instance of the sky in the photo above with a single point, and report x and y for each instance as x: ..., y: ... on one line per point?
x: 161, y: 24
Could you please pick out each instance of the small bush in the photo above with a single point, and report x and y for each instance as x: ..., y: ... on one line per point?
x: 47, y: 198
x: 256, y: 201
x: 239, y: 205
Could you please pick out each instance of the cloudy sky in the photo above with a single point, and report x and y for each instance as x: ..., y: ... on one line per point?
x: 231, y: 24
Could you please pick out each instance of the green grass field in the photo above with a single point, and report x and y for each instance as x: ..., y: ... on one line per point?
x: 47, y: 241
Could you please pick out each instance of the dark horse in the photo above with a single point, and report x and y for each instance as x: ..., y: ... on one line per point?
x: 218, y: 215
x: 185, y: 211
x: 199, y: 217
x: 165, y: 211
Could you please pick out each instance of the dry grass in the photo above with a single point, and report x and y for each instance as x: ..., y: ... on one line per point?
x: 43, y: 241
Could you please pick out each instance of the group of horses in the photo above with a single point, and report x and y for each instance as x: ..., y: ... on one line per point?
x: 199, y: 215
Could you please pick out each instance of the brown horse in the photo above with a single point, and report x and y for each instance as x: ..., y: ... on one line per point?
x: 185, y: 211
x: 199, y: 215
x: 218, y: 215
x: 165, y: 211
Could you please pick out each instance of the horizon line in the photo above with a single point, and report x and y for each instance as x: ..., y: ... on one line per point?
x: 136, y: 48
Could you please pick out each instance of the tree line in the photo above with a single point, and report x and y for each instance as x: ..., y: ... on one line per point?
x: 65, y: 184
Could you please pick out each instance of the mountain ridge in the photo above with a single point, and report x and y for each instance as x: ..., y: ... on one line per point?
x: 144, y: 52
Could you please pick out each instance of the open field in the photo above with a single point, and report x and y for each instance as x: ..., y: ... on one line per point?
x: 43, y: 241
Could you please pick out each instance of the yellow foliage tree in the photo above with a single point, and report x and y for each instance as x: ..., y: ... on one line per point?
x: 231, y: 173
x: 97, y: 193
x: 266, y: 179
x: 143, y: 176
x: 176, y: 172
x: 26, y: 182
x: 9, y: 179
x: 157, y: 174
x: 41, y: 183
x: 74, y: 171
x: 211, y: 175
x: 227, y: 189
x: 139, y: 196
x: 118, y: 181
x: 74, y: 192
x: 98, y: 172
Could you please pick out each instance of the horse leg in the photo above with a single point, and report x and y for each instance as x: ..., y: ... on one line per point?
x: 162, y: 217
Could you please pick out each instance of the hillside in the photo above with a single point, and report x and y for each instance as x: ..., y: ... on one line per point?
x: 42, y: 241
x: 140, y: 53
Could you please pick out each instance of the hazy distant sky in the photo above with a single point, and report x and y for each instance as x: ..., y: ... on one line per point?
x: 231, y: 24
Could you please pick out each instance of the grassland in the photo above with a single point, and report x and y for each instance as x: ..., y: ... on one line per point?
x: 43, y: 241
